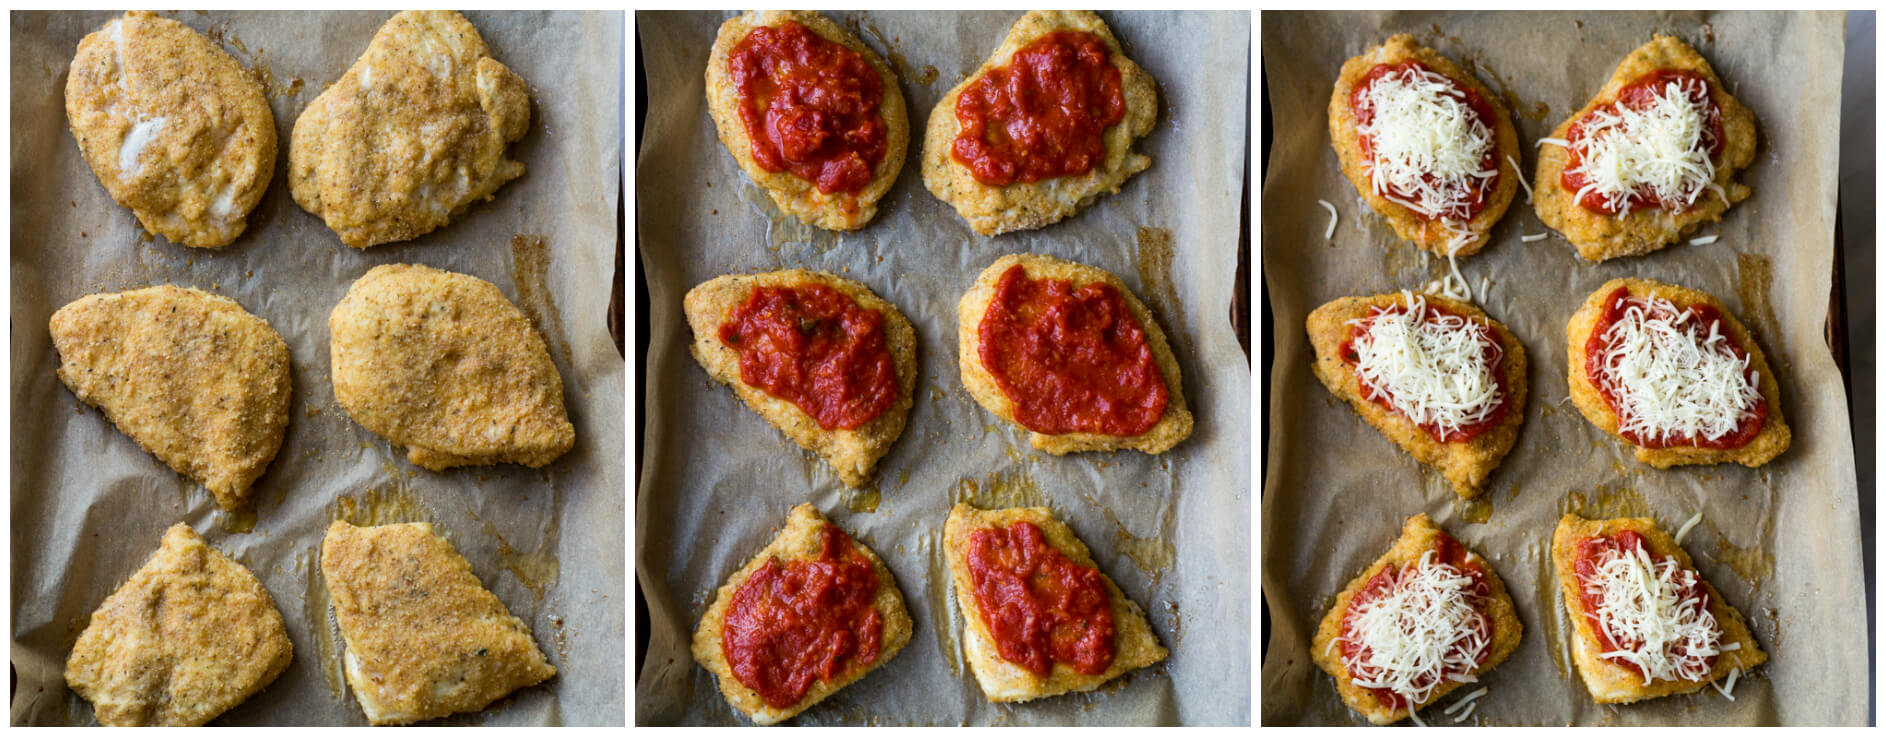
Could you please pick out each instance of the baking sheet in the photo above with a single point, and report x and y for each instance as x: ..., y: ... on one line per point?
x: 1780, y: 542
x: 89, y: 506
x: 717, y: 480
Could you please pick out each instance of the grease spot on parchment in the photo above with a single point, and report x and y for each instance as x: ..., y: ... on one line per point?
x: 530, y: 270
x: 1154, y: 261
x: 1605, y: 502
x: 315, y: 609
x: 1475, y: 511
x: 1754, y: 280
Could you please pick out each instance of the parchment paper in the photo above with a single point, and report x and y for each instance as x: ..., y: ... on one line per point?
x: 718, y: 480
x: 89, y: 506
x: 1780, y: 542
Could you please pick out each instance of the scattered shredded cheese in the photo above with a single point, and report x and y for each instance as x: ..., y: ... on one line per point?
x: 1663, y: 148
x: 1420, y: 632
x: 1362, y: 206
x: 1521, y: 176
x: 1704, y: 241
x: 1559, y: 142
x: 1428, y: 144
x: 1465, y: 700
x: 1484, y: 283
x: 1670, y: 380
x: 1331, y: 230
x: 1642, y: 610
x: 1433, y: 367
x: 1685, y: 529
x: 1728, y: 690
x: 1469, y: 712
x: 1533, y: 237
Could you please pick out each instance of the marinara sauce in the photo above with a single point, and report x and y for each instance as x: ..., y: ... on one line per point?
x: 1446, y: 550
x: 1593, y: 549
x: 1386, y: 399
x: 1071, y: 360
x: 1638, y: 95
x: 1598, y: 344
x: 817, y: 348
x: 808, y: 620
x: 1479, y: 192
x: 1041, y: 116
x: 810, y: 106
x: 1040, y: 607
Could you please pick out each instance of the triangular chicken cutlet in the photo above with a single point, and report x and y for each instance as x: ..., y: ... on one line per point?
x: 424, y: 638
x: 187, y: 637
x: 850, y: 620
x: 1644, y: 622
x: 444, y: 365
x: 192, y: 377
x: 1436, y: 375
x: 833, y: 366
x: 1026, y: 639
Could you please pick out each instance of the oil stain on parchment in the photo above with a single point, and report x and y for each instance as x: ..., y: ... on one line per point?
x: 1474, y: 511
x: 1001, y: 490
x: 315, y: 609
x: 530, y: 270
x: 936, y: 560
x: 1754, y: 281
x: 1153, y: 555
x: 1154, y: 261
x: 1551, y: 610
x: 1605, y: 501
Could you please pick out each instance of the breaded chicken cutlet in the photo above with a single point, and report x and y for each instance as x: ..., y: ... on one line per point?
x: 1029, y: 641
x: 412, y: 134
x: 849, y: 619
x: 174, y: 128
x: 822, y: 358
x: 772, y: 72
x: 190, y: 635
x: 191, y: 376
x: 424, y: 638
x: 1051, y: 62
x: 444, y: 365
x: 1067, y: 352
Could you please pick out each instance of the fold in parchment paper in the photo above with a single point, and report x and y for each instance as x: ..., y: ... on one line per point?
x: 717, y: 480
x: 1780, y: 542
x: 89, y: 506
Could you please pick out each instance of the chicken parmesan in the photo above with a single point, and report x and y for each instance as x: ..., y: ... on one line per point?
x: 1649, y: 160
x: 1426, y: 144
x: 1672, y: 373
x: 1645, y: 623
x: 1427, y: 617
x: 1435, y: 375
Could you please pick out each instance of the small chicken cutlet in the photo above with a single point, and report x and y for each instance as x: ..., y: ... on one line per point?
x: 822, y: 358
x: 191, y: 376
x: 1039, y: 618
x: 174, y: 128
x: 1437, y: 376
x: 187, y: 637
x: 412, y: 134
x: 810, y: 113
x: 813, y: 612
x: 442, y: 364
x: 424, y: 638
x: 1043, y: 129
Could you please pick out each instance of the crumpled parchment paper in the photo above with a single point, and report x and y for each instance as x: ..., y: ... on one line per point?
x: 1780, y: 542
x: 89, y: 506
x: 717, y: 480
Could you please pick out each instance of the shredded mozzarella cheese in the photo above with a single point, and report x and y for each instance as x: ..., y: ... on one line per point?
x: 1428, y: 144
x: 1687, y: 526
x: 1663, y: 148
x: 1331, y: 230
x: 1669, y: 380
x: 1728, y: 690
x: 1704, y: 241
x: 1532, y: 238
x: 1559, y: 142
x: 1433, y: 367
x: 1419, y: 633
x: 1521, y: 176
x: 1642, y: 610
x: 1466, y: 700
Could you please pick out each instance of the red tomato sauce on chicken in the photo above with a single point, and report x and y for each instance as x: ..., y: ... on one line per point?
x: 1071, y: 360
x: 1590, y: 551
x: 1446, y: 550
x: 1599, y: 375
x: 792, y: 624
x: 1040, y: 607
x: 1638, y: 95
x: 810, y: 106
x: 1041, y: 116
x: 817, y: 348
x: 1386, y: 399
x: 1478, y: 195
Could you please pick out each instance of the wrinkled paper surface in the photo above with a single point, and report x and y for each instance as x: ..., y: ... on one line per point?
x: 717, y: 480
x: 1780, y: 542
x: 89, y: 506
